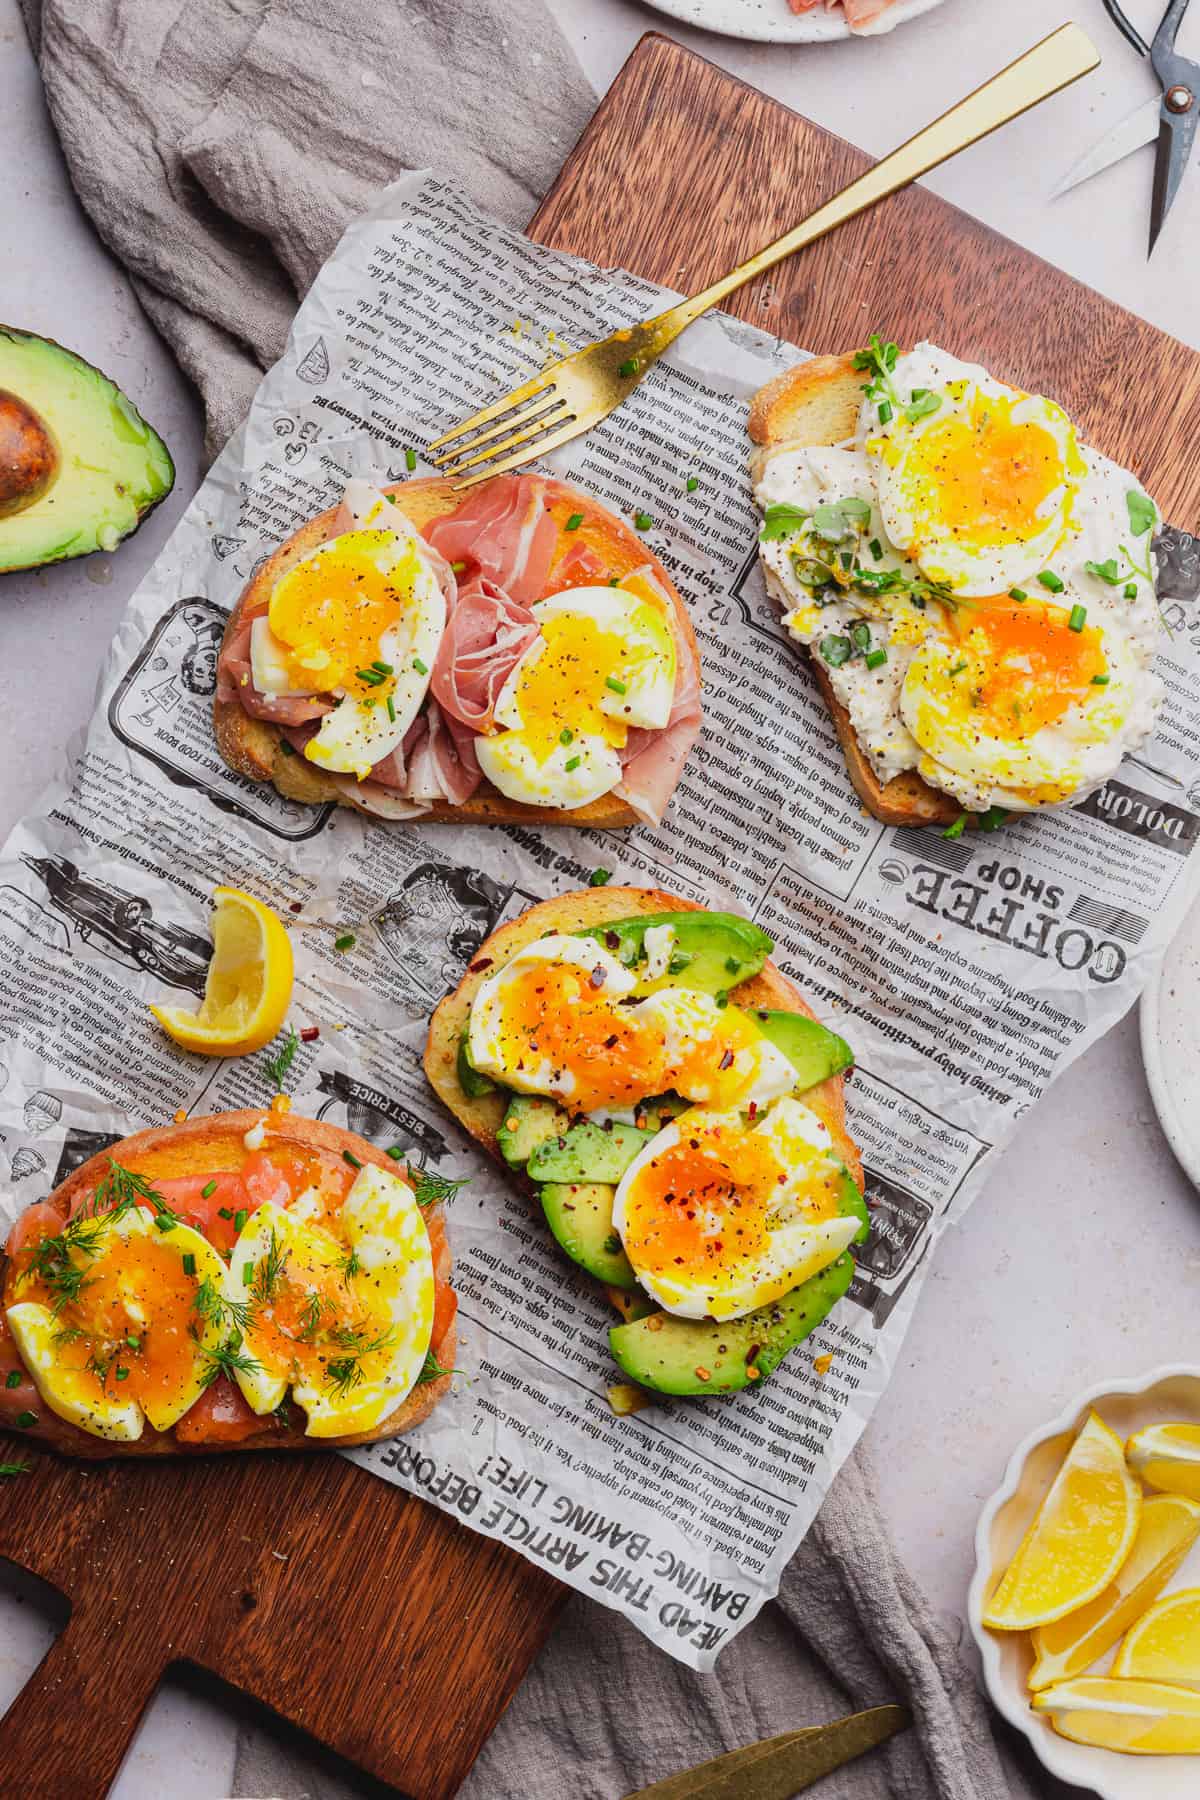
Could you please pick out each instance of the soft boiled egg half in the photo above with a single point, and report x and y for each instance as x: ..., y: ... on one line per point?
x: 345, y: 1325
x: 719, y: 1215
x: 603, y: 661
x: 361, y: 618
x: 975, y: 480
x: 562, y: 1018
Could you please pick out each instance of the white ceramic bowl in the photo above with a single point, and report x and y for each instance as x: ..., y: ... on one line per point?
x: 772, y: 22
x: 1170, y: 1030
x: 1166, y: 1394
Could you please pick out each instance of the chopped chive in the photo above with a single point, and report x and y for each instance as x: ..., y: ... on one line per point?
x: 372, y: 677
x: 349, y: 1156
x: 692, y: 483
x: 239, y: 1219
x: 25, y: 1419
x: 874, y: 658
x: 247, y: 1273
x: 876, y: 549
x: 396, y: 1152
x: 391, y: 706
x: 1078, y: 615
x: 958, y: 668
x: 956, y: 830
x: 566, y: 735
x: 1052, y: 581
x: 1131, y: 590
x: 189, y: 1262
x: 13, y: 1378
x: 600, y: 877
x: 410, y: 459
x: 572, y: 763
x: 384, y: 668
x: 208, y: 1190
x: 165, y: 1221
x: 618, y: 687
x: 629, y: 367
x: 457, y: 568
x: 885, y: 412
x: 643, y: 521
x: 122, y: 1374
x: 614, y: 581
x: 223, y: 1212
x: 1099, y: 680
x: 574, y: 522
x: 422, y: 668
x: 732, y: 965
x: 286, y: 747
x: 346, y: 942
x: 1017, y: 594
x: 135, y: 1343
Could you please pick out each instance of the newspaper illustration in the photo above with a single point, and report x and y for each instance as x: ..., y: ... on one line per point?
x: 966, y: 973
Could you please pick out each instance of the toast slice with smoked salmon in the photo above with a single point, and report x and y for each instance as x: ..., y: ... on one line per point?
x: 523, y: 657
x: 243, y: 1281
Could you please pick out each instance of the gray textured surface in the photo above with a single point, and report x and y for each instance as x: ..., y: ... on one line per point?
x: 1051, y: 1284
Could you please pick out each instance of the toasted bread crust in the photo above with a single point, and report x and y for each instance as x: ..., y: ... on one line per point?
x: 816, y: 403
x: 257, y: 749
x: 205, y: 1146
x: 574, y: 912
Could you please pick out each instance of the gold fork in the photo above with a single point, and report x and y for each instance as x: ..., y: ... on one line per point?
x: 574, y: 393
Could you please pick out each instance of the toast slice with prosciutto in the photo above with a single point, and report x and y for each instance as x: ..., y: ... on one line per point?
x: 223, y: 1257
x: 498, y: 552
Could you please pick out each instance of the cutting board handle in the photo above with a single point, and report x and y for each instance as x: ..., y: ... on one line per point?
x: 68, y: 1729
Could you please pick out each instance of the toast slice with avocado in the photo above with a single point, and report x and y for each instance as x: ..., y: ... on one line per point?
x: 592, y: 546
x: 572, y: 1165
x: 815, y: 405
x: 142, y: 1287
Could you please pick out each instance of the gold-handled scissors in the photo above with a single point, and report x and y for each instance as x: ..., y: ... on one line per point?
x: 1169, y: 116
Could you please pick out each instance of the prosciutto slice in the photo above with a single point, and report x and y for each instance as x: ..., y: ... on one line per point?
x: 486, y: 636
x: 235, y: 681
x: 503, y: 533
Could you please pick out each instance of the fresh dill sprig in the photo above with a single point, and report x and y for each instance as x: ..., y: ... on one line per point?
x: 344, y: 1373
x: 51, y: 1262
x: 15, y: 1468
x: 430, y: 1188
x: 67, y: 1334
x: 229, y: 1358
x: 269, y: 1272
x: 214, y: 1309
x: 351, y: 1265
x: 283, y: 1412
x: 122, y: 1189
x: 310, y: 1319
x: 432, y: 1369
x: 279, y: 1064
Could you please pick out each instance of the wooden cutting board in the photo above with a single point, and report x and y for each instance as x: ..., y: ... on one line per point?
x: 377, y: 1624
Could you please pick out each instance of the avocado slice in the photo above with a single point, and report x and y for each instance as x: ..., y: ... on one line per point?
x: 528, y: 1121
x: 664, y: 1352
x: 79, y: 466
x: 813, y: 1050
x: 587, y: 1152
x: 713, y: 951
x: 580, y: 1214
x: 473, y: 1084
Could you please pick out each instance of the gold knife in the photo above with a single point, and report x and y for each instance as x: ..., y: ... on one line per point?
x: 779, y: 1767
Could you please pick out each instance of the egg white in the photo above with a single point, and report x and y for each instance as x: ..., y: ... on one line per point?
x: 797, y: 1247
x: 759, y: 1071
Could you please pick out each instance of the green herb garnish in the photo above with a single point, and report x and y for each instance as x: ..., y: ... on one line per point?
x: 956, y: 830
x: 430, y: 1188
x: 279, y: 1064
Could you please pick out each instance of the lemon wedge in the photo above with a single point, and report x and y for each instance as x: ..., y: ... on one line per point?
x: 1164, y: 1645
x: 249, y: 983
x: 1143, y: 1718
x: 1167, y: 1457
x: 1170, y: 1526
x: 1081, y: 1535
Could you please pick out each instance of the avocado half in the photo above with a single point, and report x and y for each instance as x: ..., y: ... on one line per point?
x: 79, y: 466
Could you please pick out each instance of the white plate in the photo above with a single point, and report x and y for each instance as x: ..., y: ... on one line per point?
x: 1170, y: 1393
x: 771, y: 20
x: 1170, y: 1027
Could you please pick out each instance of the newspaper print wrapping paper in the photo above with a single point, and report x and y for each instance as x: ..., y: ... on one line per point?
x: 965, y: 972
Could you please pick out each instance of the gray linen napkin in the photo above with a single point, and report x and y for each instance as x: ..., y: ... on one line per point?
x: 220, y: 149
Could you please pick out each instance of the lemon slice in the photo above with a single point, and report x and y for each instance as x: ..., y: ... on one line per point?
x: 1143, y: 1718
x: 1170, y: 1526
x: 1082, y: 1533
x: 249, y: 983
x: 1164, y: 1645
x: 1167, y: 1457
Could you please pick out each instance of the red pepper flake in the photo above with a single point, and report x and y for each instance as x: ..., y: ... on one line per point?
x: 310, y: 1034
x: 483, y: 962
x: 294, y: 906
x: 726, y: 1061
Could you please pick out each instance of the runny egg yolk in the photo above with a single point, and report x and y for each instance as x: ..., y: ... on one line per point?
x: 567, y: 681
x: 705, y: 1205
x: 984, y: 477
x: 552, y: 1014
x: 313, y: 1323
x: 332, y: 610
x: 137, y: 1291
x: 1026, y: 666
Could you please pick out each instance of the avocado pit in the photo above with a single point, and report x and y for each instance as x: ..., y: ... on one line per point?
x: 29, y: 459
